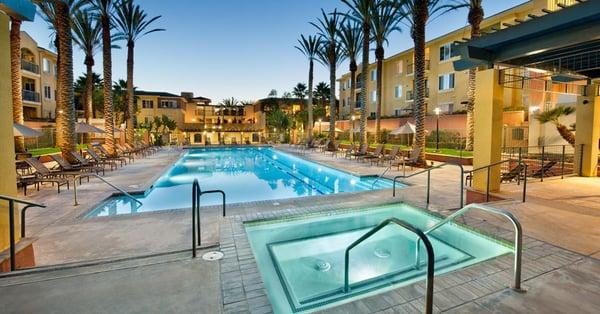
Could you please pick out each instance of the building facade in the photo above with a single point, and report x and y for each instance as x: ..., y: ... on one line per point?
x: 38, y: 68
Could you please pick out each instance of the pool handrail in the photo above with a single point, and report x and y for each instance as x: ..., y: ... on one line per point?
x: 196, y: 223
x: 421, y: 235
x: 518, y: 244
x: 381, y: 175
x: 11, y: 221
x: 428, y: 171
x: 84, y: 175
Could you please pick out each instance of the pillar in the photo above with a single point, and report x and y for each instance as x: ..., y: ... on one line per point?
x: 587, y: 135
x: 487, y: 147
x: 8, y: 184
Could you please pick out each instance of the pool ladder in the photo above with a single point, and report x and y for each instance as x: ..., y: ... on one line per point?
x: 196, y: 229
x: 422, y: 236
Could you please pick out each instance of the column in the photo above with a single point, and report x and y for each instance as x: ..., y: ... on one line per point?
x: 587, y: 133
x: 489, y: 105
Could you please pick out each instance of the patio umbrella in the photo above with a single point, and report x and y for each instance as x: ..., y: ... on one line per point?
x: 82, y: 128
x: 407, y: 128
x: 24, y: 131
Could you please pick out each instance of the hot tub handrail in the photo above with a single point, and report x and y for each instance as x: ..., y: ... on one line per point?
x: 428, y: 171
x: 428, y: 247
x: 103, y: 180
x: 518, y: 244
x: 196, y: 223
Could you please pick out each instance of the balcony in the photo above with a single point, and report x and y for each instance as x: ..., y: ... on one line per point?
x: 31, y: 96
x: 410, y: 69
x: 410, y: 94
x: 30, y: 66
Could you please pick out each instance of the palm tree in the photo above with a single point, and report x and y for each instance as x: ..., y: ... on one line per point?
x: 81, y: 89
x: 16, y: 80
x: 384, y: 21
x: 86, y: 35
x: 133, y: 23
x: 104, y: 10
x: 60, y: 14
x: 553, y: 116
x: 322, y: 91
x: 416, y: 14
x: 350, y: 39
x: 309, y: 46
x: 299, y: 91
x: 475, y: 17
x: 331, y: 56
x: 362, y: 11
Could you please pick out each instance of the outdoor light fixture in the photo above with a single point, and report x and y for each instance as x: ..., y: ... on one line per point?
x: 437, y: 129
x: 533, y: 109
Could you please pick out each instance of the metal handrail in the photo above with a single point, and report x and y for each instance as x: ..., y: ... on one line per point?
x: 518, y: 236
x: 11, y: 221
x: 428, y: 247
x: 103, y: 180
x: 428, y: 171
x: 196, y: 194
x: 381, y: 175
x: 489, y: 169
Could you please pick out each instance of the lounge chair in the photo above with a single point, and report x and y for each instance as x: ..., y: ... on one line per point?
x: 411, y: 160
x: 324, y: 146
x: 24, y: 181
x: 111, y: 160
x: 375, y: 155
x: 391, y: 156
x: 125, y: 152
x: 43, y: 173
x: 545, y: 170
x: 88, y: 163
x: 362, y: 151
x: 64, y: 165
x: 336, y: 150
x: 513, y: 174
x: 102, y: 149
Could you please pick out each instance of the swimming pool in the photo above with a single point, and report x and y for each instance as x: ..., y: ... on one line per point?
x: 301, y: 260
x: 246, y: 174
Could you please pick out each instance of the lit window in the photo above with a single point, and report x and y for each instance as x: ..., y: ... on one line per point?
x: 374, y: 96
x: 46, y: 65
x: 373, y: 75
x: 147, y: 104
x: 47, y: 92
x: 399, y: 67
x: 446, y: 82
x: 398, y: 91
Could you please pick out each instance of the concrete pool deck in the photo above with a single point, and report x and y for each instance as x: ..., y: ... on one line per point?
x: 557, y: 280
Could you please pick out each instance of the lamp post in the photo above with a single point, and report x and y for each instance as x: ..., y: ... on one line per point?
x: 353, y: 117
x: 437, y: 129
x: 320, y: 123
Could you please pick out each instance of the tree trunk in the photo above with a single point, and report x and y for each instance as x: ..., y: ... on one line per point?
x: 109, y: 123
x: 475, y: 17
x: 89, y: 94
x: 309, y: 107
x: 379, y: 53
x: 130, y: 96
x: 565, y: 133
x: 65, y: 119
x: 16, y: 80
x: 332, y: 104
x: 351, y: 103
x: 420, y: 16
x: 363, y: 77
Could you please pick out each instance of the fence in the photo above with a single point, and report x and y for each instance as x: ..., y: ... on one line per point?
x: 46, y: 140
x: 545, y: 161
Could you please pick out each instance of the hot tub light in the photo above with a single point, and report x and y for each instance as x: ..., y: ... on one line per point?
x: 353, y: 182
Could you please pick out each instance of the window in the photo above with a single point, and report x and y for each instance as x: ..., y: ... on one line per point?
x: 374, y: 96
x: 344, y: 102
x: 446, y: 52
x: 171, y: 104
x: 518, y: 134
x: 197, y: 138
x: 56, y: 70
x: 147, y: 119
x: 147, y: 104
x: 399, y: 67
x: 398, y: 91
x: 446, y: 82
x: 447, y: 108
x: 373, y: 114
x: 397, y: 112
x: 46, y: 65
x: 373, y: 75
x: 47, y: 92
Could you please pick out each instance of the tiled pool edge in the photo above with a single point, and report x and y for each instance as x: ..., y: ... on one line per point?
x: 243, y: 290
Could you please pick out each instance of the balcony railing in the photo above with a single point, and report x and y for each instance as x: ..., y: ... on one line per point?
x: 30, y: 66
x: 410, y: 95
x: 410, y: 69
x: 31, y: 96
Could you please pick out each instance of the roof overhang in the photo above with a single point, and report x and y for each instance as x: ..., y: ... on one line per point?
x: 23, y: 10
x: 566, y: 32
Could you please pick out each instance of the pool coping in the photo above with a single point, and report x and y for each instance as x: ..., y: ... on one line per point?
x: 243, y: 289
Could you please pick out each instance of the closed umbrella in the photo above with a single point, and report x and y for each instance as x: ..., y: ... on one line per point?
x: 407, y: 128
x: 24, y: 131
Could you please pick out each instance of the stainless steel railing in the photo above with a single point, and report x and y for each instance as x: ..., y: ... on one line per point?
x: 85, y: 175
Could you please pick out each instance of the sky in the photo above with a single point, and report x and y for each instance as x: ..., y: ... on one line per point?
x: 236, y: 48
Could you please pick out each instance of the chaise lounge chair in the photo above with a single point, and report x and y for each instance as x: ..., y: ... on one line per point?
x: 375, y: 155
x: 545, y: 170
x: 411, y: 160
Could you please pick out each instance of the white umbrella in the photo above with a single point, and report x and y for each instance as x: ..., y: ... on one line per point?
x: 82, y: 127
x: 407, y: 128
x: 21, y: 130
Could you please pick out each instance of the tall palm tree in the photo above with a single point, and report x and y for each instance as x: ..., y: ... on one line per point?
x: 351, y: 39
x: 16, y: 80
x: 331, y: 55
x: 299, y: 91
x: 322, y: 91
x: 361, y: 11
x: 475, y: 17
x: 416, y: 14
x: 104, y: 10
x: 310, y: 46
x: 133, y: 23
x: 87, y: 35
x: 384, y: 21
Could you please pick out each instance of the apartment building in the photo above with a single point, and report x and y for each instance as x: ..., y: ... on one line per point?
x: 199, y: 121
x: 446, y: 88
x: 38, y: 68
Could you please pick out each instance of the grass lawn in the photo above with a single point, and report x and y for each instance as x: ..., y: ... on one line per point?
x: 50, y: 150
x: 442, y: 151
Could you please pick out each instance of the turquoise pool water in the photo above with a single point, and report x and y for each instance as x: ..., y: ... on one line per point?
x: 245, y: 174
x: 302, y: 260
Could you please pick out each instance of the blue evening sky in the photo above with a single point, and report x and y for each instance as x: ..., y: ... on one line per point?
x: 236, y: 48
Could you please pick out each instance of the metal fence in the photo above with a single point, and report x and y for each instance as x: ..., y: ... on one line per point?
x: 545, y: 161
x: 46, y: 140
